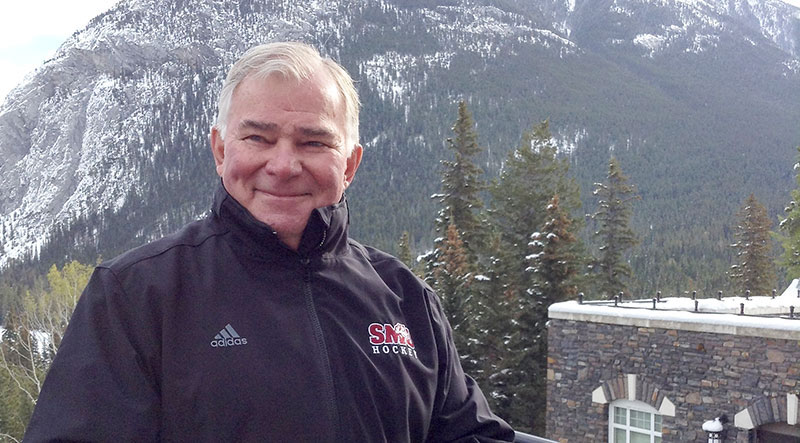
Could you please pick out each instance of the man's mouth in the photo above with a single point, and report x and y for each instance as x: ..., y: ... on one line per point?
x: 283, y: 194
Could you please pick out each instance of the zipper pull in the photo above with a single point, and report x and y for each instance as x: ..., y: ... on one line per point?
x: 305, y: 261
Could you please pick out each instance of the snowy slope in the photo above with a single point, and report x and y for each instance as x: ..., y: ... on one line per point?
x: 119, y: 117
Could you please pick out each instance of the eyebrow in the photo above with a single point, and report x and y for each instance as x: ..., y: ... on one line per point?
x: 318, y: 132
x: 261, y: 126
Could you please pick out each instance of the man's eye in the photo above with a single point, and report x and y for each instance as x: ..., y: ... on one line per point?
x: 314, y: 144
x: 256, y: 138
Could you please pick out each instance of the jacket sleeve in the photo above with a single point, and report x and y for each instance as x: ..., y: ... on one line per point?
x: 100, y: 386
x: 461, y: 412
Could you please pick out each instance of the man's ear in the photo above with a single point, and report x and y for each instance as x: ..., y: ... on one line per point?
x: 352, y: 165
x: 217, y: 148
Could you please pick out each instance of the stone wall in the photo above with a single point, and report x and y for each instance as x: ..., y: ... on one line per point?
x: 703, y: 374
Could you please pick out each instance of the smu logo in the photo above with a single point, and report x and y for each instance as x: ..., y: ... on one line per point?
x: 391, y: 339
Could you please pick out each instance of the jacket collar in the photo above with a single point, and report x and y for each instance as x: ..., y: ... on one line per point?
x: 326, y: 230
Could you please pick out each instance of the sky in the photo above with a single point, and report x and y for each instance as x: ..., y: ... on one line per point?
x: 32, y: 30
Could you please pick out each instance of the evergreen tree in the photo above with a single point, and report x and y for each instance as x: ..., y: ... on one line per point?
x: 524, y: 369
x: 404, y: 250
x: 554, y: 261
x: 451, y: 267
x: 480, y: 322
x: 790, y: 231
x: 453, y: 282
x: 495, y: 321
x: 555, y: 258
x: 531, y: 175
x: 461, y: 185
x: 755, y: 270
x: 615, y: 200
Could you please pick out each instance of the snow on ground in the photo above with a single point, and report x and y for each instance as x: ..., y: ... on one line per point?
x: 763, y: 315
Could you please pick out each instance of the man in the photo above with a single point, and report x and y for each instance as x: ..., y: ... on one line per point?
x: 264, y: 321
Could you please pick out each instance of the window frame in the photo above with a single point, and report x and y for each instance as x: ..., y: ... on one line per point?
x: 638, y: 406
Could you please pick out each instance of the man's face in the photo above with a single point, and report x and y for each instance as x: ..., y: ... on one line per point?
x: 284, y: 152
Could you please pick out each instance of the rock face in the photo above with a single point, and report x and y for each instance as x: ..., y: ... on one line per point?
x: 698, y: 374
x: 105, y: 145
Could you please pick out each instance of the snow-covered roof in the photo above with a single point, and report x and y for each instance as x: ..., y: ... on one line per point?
x: 764, y: 316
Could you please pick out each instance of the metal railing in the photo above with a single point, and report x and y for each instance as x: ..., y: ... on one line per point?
x: 522, y: 437
x: 657, y: 303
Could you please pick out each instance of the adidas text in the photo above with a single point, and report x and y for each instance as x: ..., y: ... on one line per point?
x: 228, y: 342
x: 228, y: 337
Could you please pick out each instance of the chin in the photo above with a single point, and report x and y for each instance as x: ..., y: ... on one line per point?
x: 287, y: 223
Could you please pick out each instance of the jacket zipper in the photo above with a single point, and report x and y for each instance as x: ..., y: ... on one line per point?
x: 329, y: 394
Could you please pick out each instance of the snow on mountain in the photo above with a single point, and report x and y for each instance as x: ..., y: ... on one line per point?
x: 392, y: 75
x: 130, y: 97
x: 774, y: 20
x: 72, y: 134
x: 698, y: 24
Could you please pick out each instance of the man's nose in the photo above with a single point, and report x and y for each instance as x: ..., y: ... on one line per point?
x: 284, y: 161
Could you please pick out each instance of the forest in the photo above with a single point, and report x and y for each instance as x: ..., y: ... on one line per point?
x: 506, y: 248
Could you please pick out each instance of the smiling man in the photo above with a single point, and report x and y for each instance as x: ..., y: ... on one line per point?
x: 287, y: 149
x: 265, y: 321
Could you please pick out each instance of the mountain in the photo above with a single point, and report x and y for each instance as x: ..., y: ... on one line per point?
x: 105, y: 146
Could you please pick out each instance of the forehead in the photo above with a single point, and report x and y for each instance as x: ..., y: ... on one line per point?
x: 315, y: 95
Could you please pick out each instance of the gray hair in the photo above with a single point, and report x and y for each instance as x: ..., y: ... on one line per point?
x: 292, y: 60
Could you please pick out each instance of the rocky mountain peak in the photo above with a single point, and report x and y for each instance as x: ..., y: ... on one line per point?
x: 105, y: 145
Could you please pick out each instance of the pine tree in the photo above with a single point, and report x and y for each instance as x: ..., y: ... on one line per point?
x: 451, y: 267
x: 453, y: 282
x: 531, y: 175
x: 462, y: 184
x: 404, y: 250
x: 755, y: 270
x: 524, y: 369
x: 554, y: 257
x: 790, y: 231
x: 554, y: 260
x: 615, y: 200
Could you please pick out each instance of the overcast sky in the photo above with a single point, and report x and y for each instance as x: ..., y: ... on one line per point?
x: 32, y: 30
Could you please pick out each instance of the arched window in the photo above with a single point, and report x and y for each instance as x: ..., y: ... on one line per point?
x: 633, y: 421
x: 771, y: 419
x: 777, y: 433
x: 635, y: 409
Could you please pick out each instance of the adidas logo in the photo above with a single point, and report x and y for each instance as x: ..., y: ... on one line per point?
x: 228, y: 337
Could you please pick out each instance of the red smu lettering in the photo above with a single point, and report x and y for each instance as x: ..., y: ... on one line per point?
x: 376, y: 336
x: 386, y: 334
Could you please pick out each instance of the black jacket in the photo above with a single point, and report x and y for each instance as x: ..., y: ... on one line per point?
x: 221, y: 333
